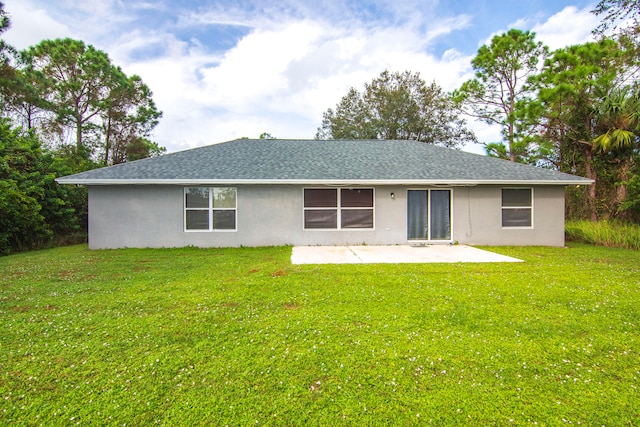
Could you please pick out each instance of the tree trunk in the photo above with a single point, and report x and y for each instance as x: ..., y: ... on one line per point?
x: 591, y: 174
x: 512, y: 154
x: 621, y: 190
x: 29, y: 117
x: 79, y: 143
x: 107, y: 142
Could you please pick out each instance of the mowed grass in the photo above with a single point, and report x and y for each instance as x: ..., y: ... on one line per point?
x: 242, y: 337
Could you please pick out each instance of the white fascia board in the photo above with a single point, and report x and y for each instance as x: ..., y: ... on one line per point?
x: 330, y: 182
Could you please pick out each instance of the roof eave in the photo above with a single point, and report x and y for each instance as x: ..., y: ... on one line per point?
x: 336, y: 182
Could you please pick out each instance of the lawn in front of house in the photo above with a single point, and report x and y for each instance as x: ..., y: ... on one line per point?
x: 242, y: 337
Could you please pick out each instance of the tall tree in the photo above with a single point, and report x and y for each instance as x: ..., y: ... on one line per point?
x: 396, y: 106
x: 500, y: 88
x: 573, y: 83
x: 88, y: 97
x: 22, y: 102
x: 19, y: 97
x: 128, y: 118
x: 621, y: 21
x: 79, y: 82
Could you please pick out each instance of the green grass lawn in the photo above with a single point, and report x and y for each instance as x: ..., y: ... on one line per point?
x: 242, y: 337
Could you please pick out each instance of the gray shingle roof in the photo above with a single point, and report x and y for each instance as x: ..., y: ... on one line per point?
x: 311, y: 161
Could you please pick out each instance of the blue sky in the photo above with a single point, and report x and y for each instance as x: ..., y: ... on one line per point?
x: 221, y: 70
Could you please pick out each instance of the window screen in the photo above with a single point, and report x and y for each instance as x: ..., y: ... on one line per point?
x: 357, y: 218
x: 356, y: 198
x: 332, y: 208
x: 321, y: 218
x: 321, y: 198
x: 517, y: 207
x: 209, y: 208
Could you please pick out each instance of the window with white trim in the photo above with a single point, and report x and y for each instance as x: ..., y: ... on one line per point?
x: 210, y: 208
x: 338, y: 208
x: 517, y: 207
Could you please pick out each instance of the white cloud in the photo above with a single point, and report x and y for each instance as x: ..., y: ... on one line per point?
x: 255, y: 69
x: 100, y: 18
x: 31, y: 24
x: 567, y: 27
x: 277, y: 79
x: 446, y: 26
x: 289, y: 63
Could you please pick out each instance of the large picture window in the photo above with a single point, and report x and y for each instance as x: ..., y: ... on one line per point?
x: 210, y: 208
x: 337, y: 209
x: 517, y: 207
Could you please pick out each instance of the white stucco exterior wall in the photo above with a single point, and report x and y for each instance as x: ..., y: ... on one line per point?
x: 478, y: 220
x: 269, y: 215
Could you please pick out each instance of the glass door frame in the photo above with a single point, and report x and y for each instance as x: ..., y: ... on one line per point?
x: 429, y: 209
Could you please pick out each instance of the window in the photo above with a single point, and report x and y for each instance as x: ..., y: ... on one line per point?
x: 517, y: 207
x: 209, y: 208
x: 336, y: 209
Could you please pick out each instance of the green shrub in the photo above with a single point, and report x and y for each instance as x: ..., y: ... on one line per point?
x: 604, y: 233
x: 34, y: 210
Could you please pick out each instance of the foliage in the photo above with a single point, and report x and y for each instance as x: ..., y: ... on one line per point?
x: 53, y: 91
x: 618, y: 16
x: 21, y: 224
x: 621, y: 21
x: 85, y: 95
x: 127, y: 121
x: 396, y: 106
x: 573, y: 83
x: 500, y: 93
x: 7, y: 56
x: 604, y: 233
x: 32, y: 206
x: 619, y: 119
x: 632, y: 204
x: 143, y: 337
x: 22, y: 104
x: 619, y: 137
x: 577, y: 114
x: 6, y: 51
x: 141, y: 148
x: 266, y: 135
x: 75, y: 80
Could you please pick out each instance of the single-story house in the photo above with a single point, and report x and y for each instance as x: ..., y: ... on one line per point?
x: 250, y: 192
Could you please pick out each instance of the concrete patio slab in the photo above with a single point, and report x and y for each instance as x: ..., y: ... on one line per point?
x: 393, y: 254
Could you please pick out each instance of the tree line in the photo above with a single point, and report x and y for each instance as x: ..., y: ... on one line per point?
x: 64, y: 108
x: 576, y: 109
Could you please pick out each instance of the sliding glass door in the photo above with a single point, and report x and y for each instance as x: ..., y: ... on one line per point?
x: 417, y: 215
x: 429, y: 214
